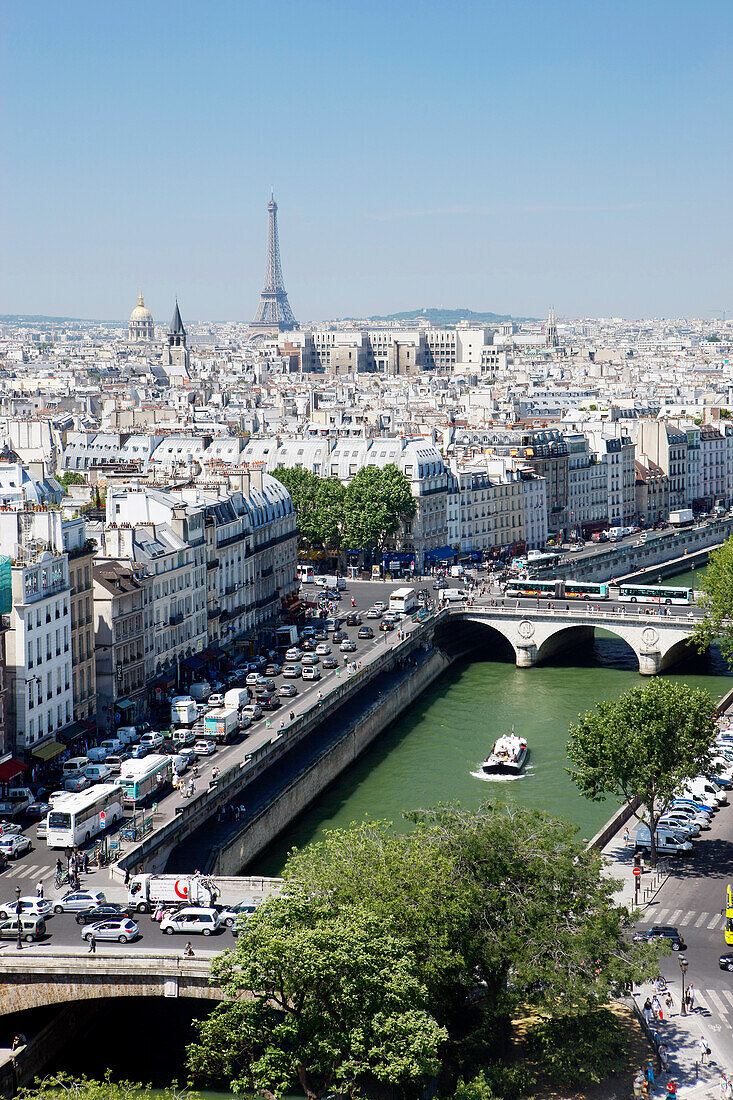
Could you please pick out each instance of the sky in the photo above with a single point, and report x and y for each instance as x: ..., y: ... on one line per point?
x: 467, y: 153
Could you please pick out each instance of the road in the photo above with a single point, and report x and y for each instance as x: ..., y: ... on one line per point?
x: 693, y: 899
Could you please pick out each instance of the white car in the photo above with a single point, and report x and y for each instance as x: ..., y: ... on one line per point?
x: 252, y: 711
x: 293, y: 654
x: 310, y: 672
x: 151, y: 741
x: 118, y: 931
x: 372, y: 613
x: 36, y: 907
x: 291, y: 672
x: 215, y: 700
x: 191, y: 919
x: 323, y: 649
x: 253, y: 679
x: 347, y: 646
x: 204, y: 748
x: 15, y: 845
x: 77, y: 900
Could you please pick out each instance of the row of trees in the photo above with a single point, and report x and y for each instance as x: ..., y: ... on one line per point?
x: 362, y: 515
x: 392, y: 958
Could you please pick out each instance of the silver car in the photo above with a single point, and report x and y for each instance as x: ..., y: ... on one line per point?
x: 118, y: 931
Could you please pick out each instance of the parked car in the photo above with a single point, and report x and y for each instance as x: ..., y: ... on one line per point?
x: 75, y: 900
x: 119, y: 931
x: 14, y: 846
x: 191, y: 919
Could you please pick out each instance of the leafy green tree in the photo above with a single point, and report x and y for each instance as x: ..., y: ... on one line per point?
x: 337, y: 1002
x: 716, y: 599
x: 303, y: 486
x: 643, y: 746
x: 329, y: 507
x: 71, y: 477
x: 376, y: 502
x: 63, y: 1086
x: 577, y: 1051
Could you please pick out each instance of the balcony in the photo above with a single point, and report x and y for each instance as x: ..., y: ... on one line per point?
x: 175, y: 620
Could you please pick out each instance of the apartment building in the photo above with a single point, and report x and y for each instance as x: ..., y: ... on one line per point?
x: 120, y: 590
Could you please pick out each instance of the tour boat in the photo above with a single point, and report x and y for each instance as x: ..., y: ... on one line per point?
x: 507, y: 757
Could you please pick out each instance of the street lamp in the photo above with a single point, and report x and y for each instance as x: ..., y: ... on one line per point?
x: 683, y: 967
x: 19, y: 944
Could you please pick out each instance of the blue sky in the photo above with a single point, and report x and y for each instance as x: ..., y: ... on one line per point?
x: 492, y: 156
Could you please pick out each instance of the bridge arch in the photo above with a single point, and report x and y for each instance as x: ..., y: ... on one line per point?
x: 462, y: 635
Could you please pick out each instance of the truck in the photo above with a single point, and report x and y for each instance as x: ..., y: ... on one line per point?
x: 681, y: 517
x: 200, y: 691
x: 144, y: 892
x: 222, y: 724
x: 451, y: 595
x: 236, y: 697
x: 184, y: 710
x: 286, y: 636
x: 15, y: 800
x: 668, y: 841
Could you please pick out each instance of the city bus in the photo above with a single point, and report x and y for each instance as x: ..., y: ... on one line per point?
x: 141, y: 778
x: 546, y: 590
x: 306, y: 574
x: 403, y: 601
x: 75, y: 818
x: 558, y: 589
x: 655, y: 593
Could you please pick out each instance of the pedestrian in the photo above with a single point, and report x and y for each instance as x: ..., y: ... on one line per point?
x: 86, y: 863
x: 729, y: 1089
x: 663, y: 1057
x: 627, y: 837
x: 723, y: 1087
x: 92, y: 944
x: 650, y: 1073
x: 39, y: 888
x: 648, y: 1011
x: 704, y: 1049
x: 691, y: 997
x: 668, y: 1003
x: 292, y: 715
x: 58, y: 867
x: 127, y: 876
x: 656, y: 1007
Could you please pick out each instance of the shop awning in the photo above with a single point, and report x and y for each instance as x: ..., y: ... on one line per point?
x: 72, y: 732
x: 443, y: 553
x: 48, y: 750
x: 10, y: 769
x: 194, y: 663
x: 124, y: 704
x: 399, y: 559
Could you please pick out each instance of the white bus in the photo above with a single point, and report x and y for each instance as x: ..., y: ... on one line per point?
x: 141, y: 778
x: 403, y: 601
x: 75, y: 818
x: 306, y: 574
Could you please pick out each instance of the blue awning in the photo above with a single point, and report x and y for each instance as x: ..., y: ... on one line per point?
x: 443, y: 553
x: 398, y: 559
x: 194, y: 663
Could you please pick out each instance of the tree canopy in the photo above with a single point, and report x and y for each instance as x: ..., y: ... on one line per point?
x: 426, y: 942
x: 71, y: 477
x: 643, y: 745
x: 716, y: 599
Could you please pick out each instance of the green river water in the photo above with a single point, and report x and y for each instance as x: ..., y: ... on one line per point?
x: 431, y: 754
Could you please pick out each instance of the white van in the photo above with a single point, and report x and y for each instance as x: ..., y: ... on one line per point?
x: 706, y: 791
x: 127, y: 734
x: 74, y: 767
x: 97, y: 754
x: 97, y: 772
x: 113, y: 745
x: 191, y: 919
x: 667, y: 841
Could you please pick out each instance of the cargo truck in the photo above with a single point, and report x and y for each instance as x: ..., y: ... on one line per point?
x: 681, y: 517
x: 236, y: 697
x: 222, y: 724
x: 144, y: 892
x: 184, y: 710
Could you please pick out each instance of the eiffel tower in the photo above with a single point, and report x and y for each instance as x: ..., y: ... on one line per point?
x: 273, y: 313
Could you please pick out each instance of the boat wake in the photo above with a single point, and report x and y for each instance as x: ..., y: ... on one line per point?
x: 496, y: 777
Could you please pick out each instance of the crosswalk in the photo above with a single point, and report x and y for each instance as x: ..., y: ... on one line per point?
x: 22, y: 870
x: 682, y: 918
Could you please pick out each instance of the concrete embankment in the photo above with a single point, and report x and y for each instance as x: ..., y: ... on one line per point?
x: 241, y: 846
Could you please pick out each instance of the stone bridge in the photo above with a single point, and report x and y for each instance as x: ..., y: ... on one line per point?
x: 33, y: 981
x: 535, y: 634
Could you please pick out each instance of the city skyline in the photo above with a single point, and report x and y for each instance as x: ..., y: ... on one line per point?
x: 482, y: 157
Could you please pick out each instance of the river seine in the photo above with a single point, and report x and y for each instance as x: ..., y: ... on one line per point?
x: 432, y: 753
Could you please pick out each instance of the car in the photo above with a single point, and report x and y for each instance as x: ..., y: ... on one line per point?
x: 205, y: 748
x: 270, y: 701
x: 253, y: 711
x: 386, y: 624
x: 119, y: 931
x: 31, y: 928
x: 265, y: 684
x: 726, y: 961
x: 75, y: 900
x: 372, y: 613
x: 188, y: 752
x: 353, y: 619
x: 152, y: 741
x: 338, y: 636
x: 311, y: 673
x: 310, y: 659
x: 111, y: 910
x: 365, y: 632
x: 253, y: 678
x: 348, y: 646
x: 323, y: 649
x: 13, y: 846
x: 139, y: 751
x: 114, y: 763
x: 308, y: 646
x: 4, y: 858
x: 191, y: 918
x: 273, y: 670
x: 294, y: 653
x: 439, y: 585
x: 12, y: 828
x: 37, y: 907
x: 228, y: 913
x: 663, y: 932
x: 380, y: 606
x: 215, y: 700
x: 329, y: 663
x: 287, y: 691
x: 291, y: 672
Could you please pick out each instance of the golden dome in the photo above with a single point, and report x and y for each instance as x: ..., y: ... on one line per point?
x: 140, y: 313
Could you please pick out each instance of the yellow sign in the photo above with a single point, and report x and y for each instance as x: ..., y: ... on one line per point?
x: 729, y: 915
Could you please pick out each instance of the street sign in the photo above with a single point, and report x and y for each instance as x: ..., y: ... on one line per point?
x: 103, y: 818
x: 637, y: 871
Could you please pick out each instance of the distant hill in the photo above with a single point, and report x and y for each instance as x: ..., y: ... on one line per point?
x: 42, y: 319
x: 450, y: 316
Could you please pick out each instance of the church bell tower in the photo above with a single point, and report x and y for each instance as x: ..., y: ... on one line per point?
x: 175, y: 352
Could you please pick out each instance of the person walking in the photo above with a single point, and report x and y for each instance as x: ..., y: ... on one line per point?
x: 704, y: 1049
x: 650, y: 1074
x: 723, y: 1087
x: 729, y: 1089
x: 39, y: 888
x: 648, y: 1011
x: 92, y: 944
x: 627, y: 837
x: 656, y: 1007
x: 669, y: 1003
x: 663, y: 1057
x: 691, y: 997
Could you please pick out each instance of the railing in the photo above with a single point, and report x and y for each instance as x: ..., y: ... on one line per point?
x: 581, y: 613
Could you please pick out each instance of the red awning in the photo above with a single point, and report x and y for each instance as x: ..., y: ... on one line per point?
x: 9, y: 769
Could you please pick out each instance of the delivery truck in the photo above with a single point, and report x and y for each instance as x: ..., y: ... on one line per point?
x: 668, y: 841
x: 681, y: 517
x: 222, y: 724
x: 236, y: 697
x: 184, y: 710
x: 145, y: 892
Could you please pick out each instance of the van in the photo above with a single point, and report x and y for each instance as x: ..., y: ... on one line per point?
x: 97, y: 772
x: 452, y: 595
x: 706, y: 791
x: 191, y: 919
x: 668, y: 841
x: 77, y: 783
x: 74, y: 767
x: 615, y: 533
x: 113, y: 745
x: 97, y: 754
x: 200, y: 691
x: 31, y: 928
x: 127, y: 734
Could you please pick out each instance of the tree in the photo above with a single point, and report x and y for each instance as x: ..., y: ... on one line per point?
x: 71, y: 477
x: 337, y: 1002
x: 716, y: 599
x: 643, y: 746
x: 303, y: 486
x: 376, y: 502
x: 329, y: 511
x: 63, y: 1086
